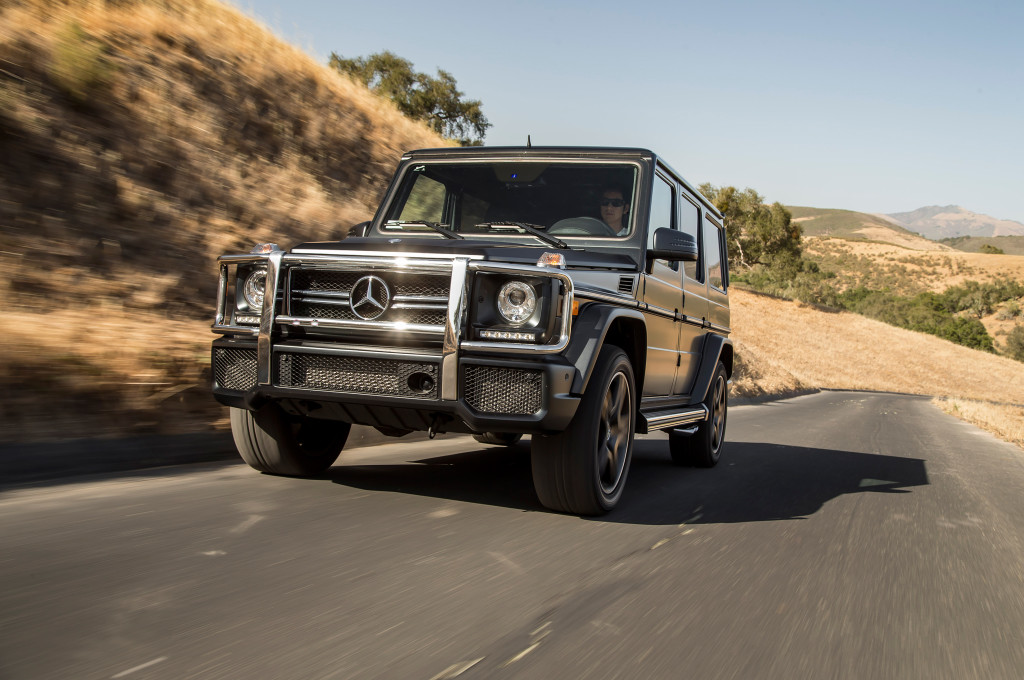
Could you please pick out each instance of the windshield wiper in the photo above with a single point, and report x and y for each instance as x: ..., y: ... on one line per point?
x: 436, y: 226
x: 532, y: 229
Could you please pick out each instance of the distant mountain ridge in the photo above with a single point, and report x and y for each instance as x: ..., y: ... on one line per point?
x: 937, y: 222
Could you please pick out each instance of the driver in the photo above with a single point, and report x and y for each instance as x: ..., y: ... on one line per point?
x: 614, y: 209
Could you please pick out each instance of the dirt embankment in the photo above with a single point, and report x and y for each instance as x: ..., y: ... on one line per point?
x: 140, y: 140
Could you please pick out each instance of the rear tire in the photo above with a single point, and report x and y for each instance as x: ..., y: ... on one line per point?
x: 272, y: 441
x: 498, y: 438
x: 583, y: 469
x: 704, y: 447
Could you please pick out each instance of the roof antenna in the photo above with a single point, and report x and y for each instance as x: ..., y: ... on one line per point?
x: 528, y: 144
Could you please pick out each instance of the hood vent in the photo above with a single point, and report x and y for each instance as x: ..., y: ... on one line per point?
x: 626, y: 285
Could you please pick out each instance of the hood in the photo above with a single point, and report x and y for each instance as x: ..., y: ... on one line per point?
x: 489, y: 250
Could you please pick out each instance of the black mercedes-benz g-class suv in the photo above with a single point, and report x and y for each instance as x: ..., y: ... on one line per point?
x: 578, y: 295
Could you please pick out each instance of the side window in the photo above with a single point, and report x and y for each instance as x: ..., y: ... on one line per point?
x: 662, y: 214
x: 714, y: 247
x: 689, y: 222
x: 425, y: 202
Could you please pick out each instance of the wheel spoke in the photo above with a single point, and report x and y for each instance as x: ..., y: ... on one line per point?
x: 615, y: 419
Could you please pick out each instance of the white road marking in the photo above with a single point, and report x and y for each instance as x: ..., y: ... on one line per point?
x: 506, y: 561
x: 213, y: 553
x: 139, y: 667
x: 247, y: 524
x: 456, y: 669
x: 520, y: 655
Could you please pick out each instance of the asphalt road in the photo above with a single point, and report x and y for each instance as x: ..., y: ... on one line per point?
x: 844, y: 535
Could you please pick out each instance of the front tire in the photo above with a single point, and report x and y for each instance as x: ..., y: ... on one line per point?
x: 704, y: 447
x: 583, y: 469
x: 272, y: 441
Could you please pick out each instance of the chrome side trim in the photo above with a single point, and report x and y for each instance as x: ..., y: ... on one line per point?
x: 666, y: 421
x: 453, y: 330
x: 267, y: 317
x: 611, y: 298
x: 720, y: 329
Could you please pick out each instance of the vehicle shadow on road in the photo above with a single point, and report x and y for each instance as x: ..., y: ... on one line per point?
x: 754, y: 482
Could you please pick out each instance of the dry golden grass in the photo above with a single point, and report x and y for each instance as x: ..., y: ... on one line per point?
x: 102, y: 370
x: 143, y: 138
x: 799, y: 347
x: 1006, y: 422
x: 878, y: 265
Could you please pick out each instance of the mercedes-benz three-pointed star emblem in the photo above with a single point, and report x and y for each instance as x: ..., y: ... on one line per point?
x: 370, y: 297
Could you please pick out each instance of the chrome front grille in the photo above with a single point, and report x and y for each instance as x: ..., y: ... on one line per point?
x: 358, y: 375
x: 508, y: 391
x: 234, y: 369
x: 412, y: 297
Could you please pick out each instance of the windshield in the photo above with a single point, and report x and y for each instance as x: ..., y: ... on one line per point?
x: 549, y: 201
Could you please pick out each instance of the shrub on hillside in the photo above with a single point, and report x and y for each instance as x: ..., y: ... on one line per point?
x: 926, y: 313
x: 1015, y: 343
x: 1009, y: 311
x: 79, y: 66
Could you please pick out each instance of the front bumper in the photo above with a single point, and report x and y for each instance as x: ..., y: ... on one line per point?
x: 399, y: 390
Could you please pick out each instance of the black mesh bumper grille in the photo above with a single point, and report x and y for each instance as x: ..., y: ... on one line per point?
x: 509, y: 391
x: 234, y: 369
x: 356, y: 375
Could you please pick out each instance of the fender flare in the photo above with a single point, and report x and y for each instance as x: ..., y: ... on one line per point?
x: 589, y: 331
x: 715, y: 346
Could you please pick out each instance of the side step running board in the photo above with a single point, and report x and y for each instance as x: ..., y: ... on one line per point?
x: 666, y: 420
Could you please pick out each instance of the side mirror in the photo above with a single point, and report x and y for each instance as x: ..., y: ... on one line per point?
x: 359, y: 230
x: 674, y: 246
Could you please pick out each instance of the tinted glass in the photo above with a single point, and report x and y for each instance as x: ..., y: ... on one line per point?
x: 713, y: 253
x: 662, y: 213
x: 689, y: 222
x: 563, y: 198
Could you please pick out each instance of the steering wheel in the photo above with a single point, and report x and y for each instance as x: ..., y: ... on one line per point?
x: 581, y: 226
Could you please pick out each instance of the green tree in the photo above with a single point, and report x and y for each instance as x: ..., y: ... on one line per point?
x: 990, y: 249
x: 436, y: 101
x: 757, y: 233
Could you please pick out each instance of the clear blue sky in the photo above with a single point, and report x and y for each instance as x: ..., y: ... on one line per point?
x: 868, y: 106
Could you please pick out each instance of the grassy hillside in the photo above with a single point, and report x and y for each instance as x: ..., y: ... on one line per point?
x: 1010, y: 245
x: 140, y: 140
x: 786, y: 346
x: 849, y: 224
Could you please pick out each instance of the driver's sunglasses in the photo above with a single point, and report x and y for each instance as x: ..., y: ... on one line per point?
x: 613, y: 202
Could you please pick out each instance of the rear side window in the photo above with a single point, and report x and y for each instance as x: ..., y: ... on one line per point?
x: 714, y: 247
x: 689, y: 222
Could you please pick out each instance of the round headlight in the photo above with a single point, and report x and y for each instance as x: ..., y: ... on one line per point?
x: 253, y: 289
x: 516, y: 302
